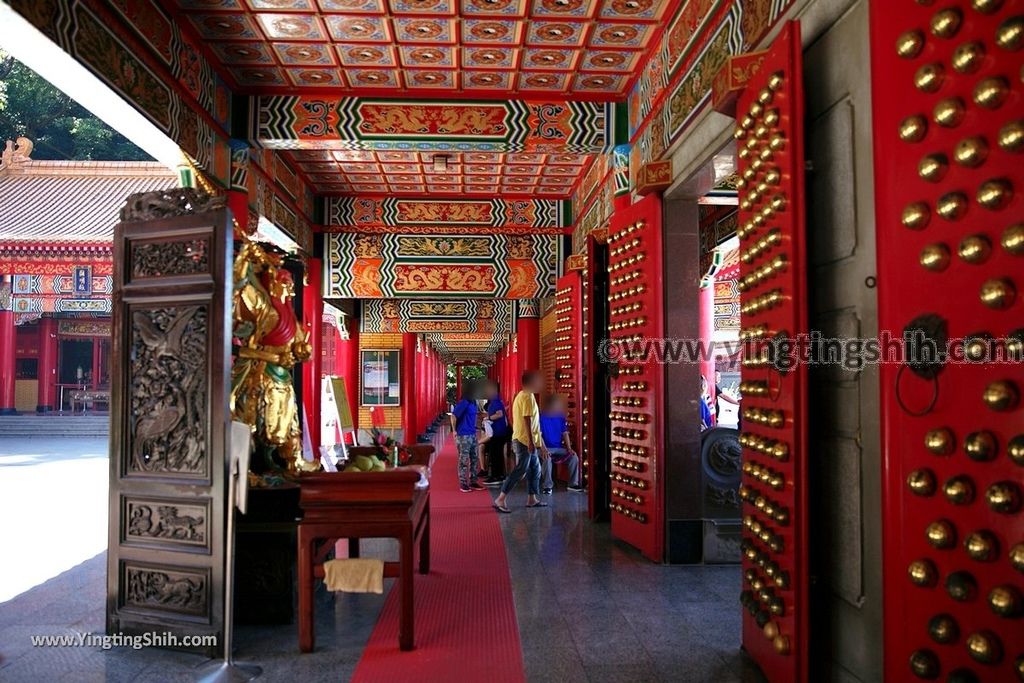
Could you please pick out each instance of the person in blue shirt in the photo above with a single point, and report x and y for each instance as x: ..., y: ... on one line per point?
x: 501, y: 435
x: 466, y: 413
x: 555, y: 432
x: 707, y: 419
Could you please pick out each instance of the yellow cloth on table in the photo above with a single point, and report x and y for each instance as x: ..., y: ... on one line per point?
x: 356, y: 575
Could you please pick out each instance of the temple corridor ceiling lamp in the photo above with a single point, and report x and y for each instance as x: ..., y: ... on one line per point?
x: 440, y: 163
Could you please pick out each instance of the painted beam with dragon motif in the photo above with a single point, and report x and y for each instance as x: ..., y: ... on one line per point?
x: 484, y: 266
x: 354, y: 123
x: 343, y: 214
x: 437, y: 316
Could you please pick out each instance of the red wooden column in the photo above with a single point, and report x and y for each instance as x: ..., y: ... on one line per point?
x: 503, y: 370
x: 346, y: 363
x: 511, y: 382
x: 7, y: 363
x: 47, y: 400
x: 312, y: 315
x: 408, y: 387
x: 422, y: 385
x: 430, y: 391
x: 437, y: 400
x: 238, y: 202
x: 442, y: 386
x: 436, y: 393
x: 527, y: 338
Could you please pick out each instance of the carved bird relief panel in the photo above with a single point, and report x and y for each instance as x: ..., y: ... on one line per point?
x: 168, y: 429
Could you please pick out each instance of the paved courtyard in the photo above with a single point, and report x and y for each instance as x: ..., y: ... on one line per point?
x: 53, y: 500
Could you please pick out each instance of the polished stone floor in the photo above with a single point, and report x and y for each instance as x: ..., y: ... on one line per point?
x: 589, y: 609
x: 593, y: 610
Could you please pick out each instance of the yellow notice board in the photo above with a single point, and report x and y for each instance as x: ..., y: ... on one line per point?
x: 345, y: 420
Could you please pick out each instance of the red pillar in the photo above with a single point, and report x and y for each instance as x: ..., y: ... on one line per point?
x: 238, y: 202
x: 528, y: 345
x: 440, y: 384
x: 347, y: 366
x: 511, y: 383
x: 7, y: 363
x: 422, y: 393
x: 313, y: 314
x: 499, y: 370
x: 47, y: 375
x: 96, y: 352
x: 435, y: 384
x: 408, y: 387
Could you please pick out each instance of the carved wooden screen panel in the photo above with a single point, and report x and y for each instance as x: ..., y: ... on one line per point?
x: 949, y: 137
x: 773, y: 306
x: 169, y: 415
x: 568, y: 350
x: 636, y: 310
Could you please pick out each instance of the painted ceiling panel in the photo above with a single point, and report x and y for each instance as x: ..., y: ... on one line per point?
x: 409, y: 174
x: 498, y: 47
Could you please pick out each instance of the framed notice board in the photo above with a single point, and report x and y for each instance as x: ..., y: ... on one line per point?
x: 379, y: 377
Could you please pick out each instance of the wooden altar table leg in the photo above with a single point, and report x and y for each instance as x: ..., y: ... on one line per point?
x: 307, y: 637
x: 406, y: 558
x: 425, y: 542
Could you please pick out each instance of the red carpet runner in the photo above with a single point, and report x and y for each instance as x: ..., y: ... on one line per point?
x: 466, y: 626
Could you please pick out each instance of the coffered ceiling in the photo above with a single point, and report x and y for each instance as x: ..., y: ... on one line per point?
x: 575, y: 49
x: 403, y: 173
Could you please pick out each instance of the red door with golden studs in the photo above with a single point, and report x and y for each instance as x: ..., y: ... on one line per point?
x: 773, y: 305
x: 949, y: 137
x: 635, y: 301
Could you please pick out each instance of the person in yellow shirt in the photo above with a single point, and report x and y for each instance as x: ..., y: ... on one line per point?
x: 526, y: 443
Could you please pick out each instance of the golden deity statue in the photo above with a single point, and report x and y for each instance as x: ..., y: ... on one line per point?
x: 273, y: 341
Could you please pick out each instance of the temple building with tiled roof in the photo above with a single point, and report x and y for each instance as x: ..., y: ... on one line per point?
x: 56, y: 228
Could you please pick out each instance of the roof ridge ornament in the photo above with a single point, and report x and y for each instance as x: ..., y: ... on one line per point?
x: 16, y: 153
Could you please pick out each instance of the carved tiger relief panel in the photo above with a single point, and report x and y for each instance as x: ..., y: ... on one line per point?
x: 166, y: 522
x: 174, y: 591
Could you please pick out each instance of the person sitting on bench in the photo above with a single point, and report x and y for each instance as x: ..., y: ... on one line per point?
x: 555, y: 432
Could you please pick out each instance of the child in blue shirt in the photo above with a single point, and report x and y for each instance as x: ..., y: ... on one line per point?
x: 555, y: 432
x: 465, y: 413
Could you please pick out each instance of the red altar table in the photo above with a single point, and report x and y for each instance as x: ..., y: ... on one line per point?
x: 358, y: 505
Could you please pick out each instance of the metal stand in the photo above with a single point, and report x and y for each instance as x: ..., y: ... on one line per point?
x: 227, y: 670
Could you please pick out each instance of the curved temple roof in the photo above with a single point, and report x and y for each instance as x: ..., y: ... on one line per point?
x: 53, y: 202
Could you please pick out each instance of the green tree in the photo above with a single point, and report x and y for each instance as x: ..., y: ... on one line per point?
x: 58, y: 126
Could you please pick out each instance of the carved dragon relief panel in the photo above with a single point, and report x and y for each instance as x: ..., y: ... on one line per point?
x: 167, y: 522
x: 168, y: 259
x: 172, y: 590
x: 168, y: 430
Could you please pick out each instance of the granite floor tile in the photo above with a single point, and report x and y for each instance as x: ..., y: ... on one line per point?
x: 632, y: 671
